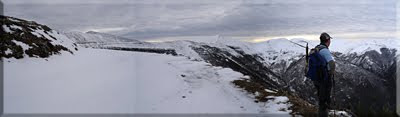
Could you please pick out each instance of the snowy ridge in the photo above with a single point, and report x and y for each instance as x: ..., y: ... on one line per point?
x: 98, y: 40
x: 92, y: 36
x: 183, y: 48
x: 102, y: 40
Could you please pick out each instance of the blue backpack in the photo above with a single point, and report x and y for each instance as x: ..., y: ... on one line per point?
x: 317, y: 65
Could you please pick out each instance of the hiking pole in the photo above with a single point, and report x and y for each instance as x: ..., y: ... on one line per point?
x: 300, y: 44
x: 306, y: 47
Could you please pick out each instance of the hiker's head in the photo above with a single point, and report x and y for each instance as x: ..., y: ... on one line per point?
x: 325, y: 39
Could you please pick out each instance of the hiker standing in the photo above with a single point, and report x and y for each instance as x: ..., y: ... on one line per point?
x: 324, y: 83
x: 321, y: 70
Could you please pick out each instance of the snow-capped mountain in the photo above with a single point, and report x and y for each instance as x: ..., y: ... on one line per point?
x: 20, y: 38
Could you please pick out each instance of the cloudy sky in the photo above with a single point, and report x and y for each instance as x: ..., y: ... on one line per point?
x: 155, y: 19
x: 192, y: 1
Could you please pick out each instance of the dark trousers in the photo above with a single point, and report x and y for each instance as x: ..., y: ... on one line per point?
x: 324, y: 88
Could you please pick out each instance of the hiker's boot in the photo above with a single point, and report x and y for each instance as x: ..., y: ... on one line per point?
x: 323, y: 113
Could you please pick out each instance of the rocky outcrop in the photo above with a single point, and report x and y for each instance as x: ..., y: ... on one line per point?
x: 20, y: 38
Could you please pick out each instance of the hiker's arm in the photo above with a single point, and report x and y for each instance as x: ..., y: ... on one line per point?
x: 332, y: 67
x: 331, y: 61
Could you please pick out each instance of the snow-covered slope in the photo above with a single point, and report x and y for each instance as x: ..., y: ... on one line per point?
x: 107, y: 81
x: 27, y: 38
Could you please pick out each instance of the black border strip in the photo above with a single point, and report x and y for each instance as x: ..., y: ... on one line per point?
x: 397, y: 60
x: 398, y: 81
x: 1, y: 71
x: 145, y: 115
